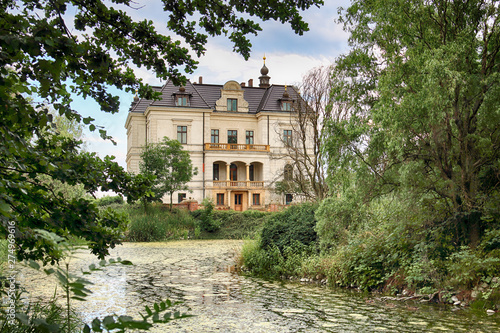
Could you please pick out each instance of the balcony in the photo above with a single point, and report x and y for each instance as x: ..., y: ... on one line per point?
x: 238, y: 184
x: 236, y: 147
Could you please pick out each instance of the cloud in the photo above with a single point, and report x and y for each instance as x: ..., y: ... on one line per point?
x: 220, y: 65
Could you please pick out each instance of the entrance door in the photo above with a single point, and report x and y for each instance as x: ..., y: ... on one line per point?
x: 238, y: 202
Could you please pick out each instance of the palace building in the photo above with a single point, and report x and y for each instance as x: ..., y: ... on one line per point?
x: 236, y: 135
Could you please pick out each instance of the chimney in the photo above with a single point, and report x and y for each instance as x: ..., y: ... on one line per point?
x: 200, y: 80
x: 250, y: 83
x: 242, y: 84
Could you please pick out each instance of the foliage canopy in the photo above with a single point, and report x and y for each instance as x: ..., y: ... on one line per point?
x: 170, y: 164
x: 421, y: 85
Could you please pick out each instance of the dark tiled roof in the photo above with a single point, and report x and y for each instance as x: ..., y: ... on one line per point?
x: 274, y: 94
x: 206, y: 95
x: 142, y: 104
x: 253, y: 96
x: 210, y: 93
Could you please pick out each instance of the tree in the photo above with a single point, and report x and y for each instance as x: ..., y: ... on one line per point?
x: 67, y: 129
x: 169, y: 164
x: 422, y: 88
x: 312, y: 111
x: 47, y: 56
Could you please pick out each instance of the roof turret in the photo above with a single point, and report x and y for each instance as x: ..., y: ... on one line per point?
x: 264, y: 78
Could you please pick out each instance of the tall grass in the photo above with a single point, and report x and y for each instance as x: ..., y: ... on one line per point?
x: 158, y: 224
x: 237, y: 225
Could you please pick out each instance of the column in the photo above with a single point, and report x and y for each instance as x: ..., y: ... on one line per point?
x: 228, y: 165
x: 248, y: 173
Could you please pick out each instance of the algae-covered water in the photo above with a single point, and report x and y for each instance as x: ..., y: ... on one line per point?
x: 198, y: 274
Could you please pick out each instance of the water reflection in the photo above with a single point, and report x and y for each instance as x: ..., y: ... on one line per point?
x: 195, y: 272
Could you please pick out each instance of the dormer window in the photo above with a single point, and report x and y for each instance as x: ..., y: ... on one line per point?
x: 182, y: 100
x: 232, y: 104
x: 286, y: 101
x: 286, y: 105
x: 181, y: 97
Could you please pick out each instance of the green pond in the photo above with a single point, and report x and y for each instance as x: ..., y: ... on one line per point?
x: 198, y: 274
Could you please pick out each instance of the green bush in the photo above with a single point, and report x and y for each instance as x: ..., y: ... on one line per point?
x: 228, y: 224
x: 337, y: 217
x: 288, y: 228
x: 147, y: 228
x: 286, y: 241
x: 272, y: 262
x: 254, y: 214
x: 159, y: 224
x: 205, y: 217
x: 108, y: 200
x: 467, y: 267
x: 239, y: 225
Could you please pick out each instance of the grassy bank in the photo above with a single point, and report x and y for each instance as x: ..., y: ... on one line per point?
x: 158, y: 223
x: 387, y: 248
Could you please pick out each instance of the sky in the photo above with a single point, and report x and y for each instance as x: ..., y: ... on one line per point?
x: 288, y: 57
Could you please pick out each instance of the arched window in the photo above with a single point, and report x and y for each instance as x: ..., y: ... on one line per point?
x: 215, y: 172
x: 288, y: 172
x: 251, y: 173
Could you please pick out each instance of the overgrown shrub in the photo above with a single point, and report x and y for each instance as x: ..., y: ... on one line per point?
x: 147, y: 228
x: 205, y: 217
x: 272, y: 262
x: 108, y: 200
x: 159, y: 224
x: 337, y: 217
x: 239, y: 225
x: 467, y: 267
x: 288, y: 228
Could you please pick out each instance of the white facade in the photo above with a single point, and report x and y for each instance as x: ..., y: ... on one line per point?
x: 234, y: 134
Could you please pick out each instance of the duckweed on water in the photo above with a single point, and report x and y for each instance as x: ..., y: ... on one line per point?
x: 196, y: 272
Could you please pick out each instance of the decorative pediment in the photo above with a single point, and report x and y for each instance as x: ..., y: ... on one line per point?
x: 232, y: 98
x: 232, y: 85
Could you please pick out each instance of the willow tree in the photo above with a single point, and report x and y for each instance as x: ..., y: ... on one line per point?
x: 312, y: 110
x: 422, y: 87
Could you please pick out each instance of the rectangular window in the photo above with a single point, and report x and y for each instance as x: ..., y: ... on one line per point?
x: 182, y: 134
x: 214, y: 137
x: 286, y: 106
x: 232, y: 104
x: 232, y: 136
x: 249, y: 138
x: 287, y: 137
x: 216, y: 172
x: 256, y: 199
x: 182, y: 101
x: 181, y: 197
x: 220, y: 199
x: 288, y: 199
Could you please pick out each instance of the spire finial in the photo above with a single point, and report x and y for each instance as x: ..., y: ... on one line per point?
x: 136, y: 97
x: 264, y: 78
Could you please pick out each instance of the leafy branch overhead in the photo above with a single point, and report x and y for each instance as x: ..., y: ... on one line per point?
x: 39, y: 41
x: 54, y: 50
